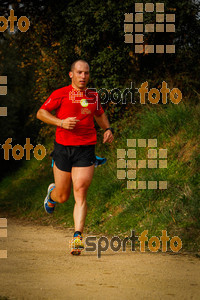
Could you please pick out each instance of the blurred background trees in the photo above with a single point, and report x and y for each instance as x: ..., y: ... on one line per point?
x: 38, y: 61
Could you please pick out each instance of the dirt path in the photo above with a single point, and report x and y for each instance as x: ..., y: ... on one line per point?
x: 39, y: 266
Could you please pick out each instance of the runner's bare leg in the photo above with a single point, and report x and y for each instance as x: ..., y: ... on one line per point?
x: 63, y: 182
x: 81, y: 178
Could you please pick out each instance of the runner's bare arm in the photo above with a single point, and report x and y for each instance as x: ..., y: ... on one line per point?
x: 103, y: 122
x: 47, y: 117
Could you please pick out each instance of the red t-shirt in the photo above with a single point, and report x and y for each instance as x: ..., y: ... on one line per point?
x: 69, y: 102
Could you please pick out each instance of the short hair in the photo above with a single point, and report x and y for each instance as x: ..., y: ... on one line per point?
x: 74, y: 63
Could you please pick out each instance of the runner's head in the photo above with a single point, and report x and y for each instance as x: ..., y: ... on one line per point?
x: 80, y: 73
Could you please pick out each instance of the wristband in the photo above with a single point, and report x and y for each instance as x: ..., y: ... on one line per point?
x: 109, y: 128
x: 61, y: 123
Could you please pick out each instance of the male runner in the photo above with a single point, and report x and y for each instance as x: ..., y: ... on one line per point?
x: 74, y: 149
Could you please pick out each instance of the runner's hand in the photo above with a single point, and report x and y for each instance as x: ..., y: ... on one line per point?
x: 108, y: 137
x: 69, y: 123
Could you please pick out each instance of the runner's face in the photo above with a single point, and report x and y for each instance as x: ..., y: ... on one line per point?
x: 80, y: 75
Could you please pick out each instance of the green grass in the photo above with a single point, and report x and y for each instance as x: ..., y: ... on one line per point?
x: 112, y: 209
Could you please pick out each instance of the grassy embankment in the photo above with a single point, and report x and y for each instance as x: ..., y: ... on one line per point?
x: 112, y: 208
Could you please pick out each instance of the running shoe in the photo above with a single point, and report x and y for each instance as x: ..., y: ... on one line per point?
x: 100, y: 161
x: 76, y: 245
x: 52, y: 163
x: 49, y: 205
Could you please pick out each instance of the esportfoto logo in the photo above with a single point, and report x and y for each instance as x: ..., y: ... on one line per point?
x: 136, y: 31
x: 154, y: 243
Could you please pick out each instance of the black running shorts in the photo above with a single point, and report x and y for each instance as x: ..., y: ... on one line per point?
x: 66, y: 157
